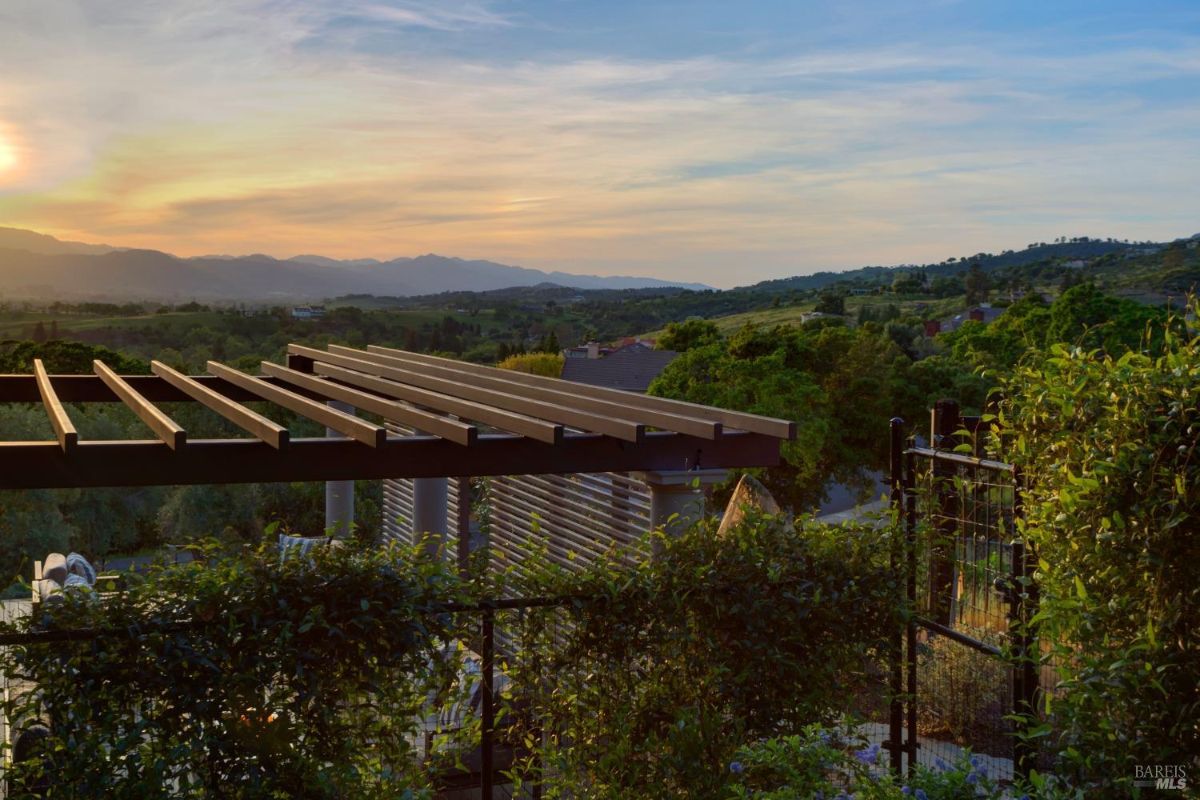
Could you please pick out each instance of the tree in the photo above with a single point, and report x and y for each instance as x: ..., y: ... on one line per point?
x: 946, y: 286
x: 909, y: 283
x: 840, y: 383
x: 831, y: 303
x: 683, y: 336
x: 977, y: 285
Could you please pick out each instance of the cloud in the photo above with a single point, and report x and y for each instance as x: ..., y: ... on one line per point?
x: 282, y: 126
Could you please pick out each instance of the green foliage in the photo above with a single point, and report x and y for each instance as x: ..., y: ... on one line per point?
x: 831, y: 303
x: 840, y: 384
x: 1108, y: 448
x: 64, y: 358
x: 549, y: 365
x: 821, y: 762
x: 683, y: 336
x: 1089, y: 318
x: 280, y: 678
x: 670, y: 666
x: 977, y: 285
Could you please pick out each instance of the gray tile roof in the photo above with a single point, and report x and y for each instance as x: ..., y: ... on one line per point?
x: 631, y: 369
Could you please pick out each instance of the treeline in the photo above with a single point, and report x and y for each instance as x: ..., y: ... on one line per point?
x: 841, y: 384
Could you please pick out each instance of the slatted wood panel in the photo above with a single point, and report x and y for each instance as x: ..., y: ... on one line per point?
x: 582, y: 514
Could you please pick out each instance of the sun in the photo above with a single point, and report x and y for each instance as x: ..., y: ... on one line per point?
x: 8, y: 154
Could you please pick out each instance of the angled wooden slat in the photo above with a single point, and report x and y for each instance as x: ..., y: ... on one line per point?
x: 562, y: 394
x: 343, y: 423
x: 393, y: 410
x: 752, y: 423
x: 542, y: 431
x: 615, y: 427
x: 68, y: 437
x: 250, y: 421
x: 162, y: 425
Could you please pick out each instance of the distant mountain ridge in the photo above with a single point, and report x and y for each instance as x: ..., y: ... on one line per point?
x: 37, y: 266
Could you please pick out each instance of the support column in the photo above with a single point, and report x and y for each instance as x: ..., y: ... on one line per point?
x: 677, y: 496
x: 339, y: 495
x: 430, y: 496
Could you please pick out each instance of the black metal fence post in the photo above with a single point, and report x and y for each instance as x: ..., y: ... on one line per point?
x: 941, y: 554
x: 488, y: 710
x: 910, y: 644
x: 895, y: 741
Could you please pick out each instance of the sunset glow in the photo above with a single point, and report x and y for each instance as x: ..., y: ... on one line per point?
x: 712, y: 145
x: 8, y: 155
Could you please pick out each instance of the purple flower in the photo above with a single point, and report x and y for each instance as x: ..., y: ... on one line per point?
x: 907, y: 790
x: 736, y: 767
x: 973, y: 778
x: 869, y: 755
x: 941, y: 765
x: 920, y: 795
x: 976, y: 762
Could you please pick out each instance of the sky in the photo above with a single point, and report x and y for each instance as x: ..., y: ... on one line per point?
x: 721, y: 142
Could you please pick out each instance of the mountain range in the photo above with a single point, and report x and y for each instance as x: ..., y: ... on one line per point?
x: 37, y: 266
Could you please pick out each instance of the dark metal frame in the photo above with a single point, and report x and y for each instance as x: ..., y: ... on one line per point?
x: 1020, y: 590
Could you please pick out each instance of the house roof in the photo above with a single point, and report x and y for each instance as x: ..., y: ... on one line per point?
x: 475, y: 420
x: 630, y: 369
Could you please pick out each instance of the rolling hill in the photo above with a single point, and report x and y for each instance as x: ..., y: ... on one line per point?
x: 35, y: 266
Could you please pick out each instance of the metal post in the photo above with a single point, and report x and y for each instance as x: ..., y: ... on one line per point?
x: 941, y: 553
x: 339, y: 495
x: 895, y: 705
x: 910, y: 543
x: 488, y: 711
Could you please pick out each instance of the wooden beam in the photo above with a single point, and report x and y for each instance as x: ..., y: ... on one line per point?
x: 563, y: 394
x: 582, y: 420
x: 90, y: 389
x: 753, y: 423
x: 347, y: 424
x: 165, y: 427
x: 392, y: 410
x: 542, y: 431
x: 29, y: 465
x: 67, y: 436
x: 250, y: 421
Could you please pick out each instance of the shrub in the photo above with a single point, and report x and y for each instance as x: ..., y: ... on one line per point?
x: 547, y: 364
x: 243, y: 677
x: 822, y: 763
x: 671, y: 666
x: 1108, y: 447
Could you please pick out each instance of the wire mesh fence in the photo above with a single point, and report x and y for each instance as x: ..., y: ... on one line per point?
x: 970, y: 656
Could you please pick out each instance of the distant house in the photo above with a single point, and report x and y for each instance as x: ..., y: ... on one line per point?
x: 932, y: 328
x: 308, y: 312
x: 1075, y: 263
x: 631, y: 368
x: 596, y: 350
x: 807, y: 316
x: 984, y: 313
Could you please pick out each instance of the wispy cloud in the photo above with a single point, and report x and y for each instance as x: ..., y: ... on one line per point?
x: 285, y: 126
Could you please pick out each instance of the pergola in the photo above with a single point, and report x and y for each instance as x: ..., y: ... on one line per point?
x: 471, y: 420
